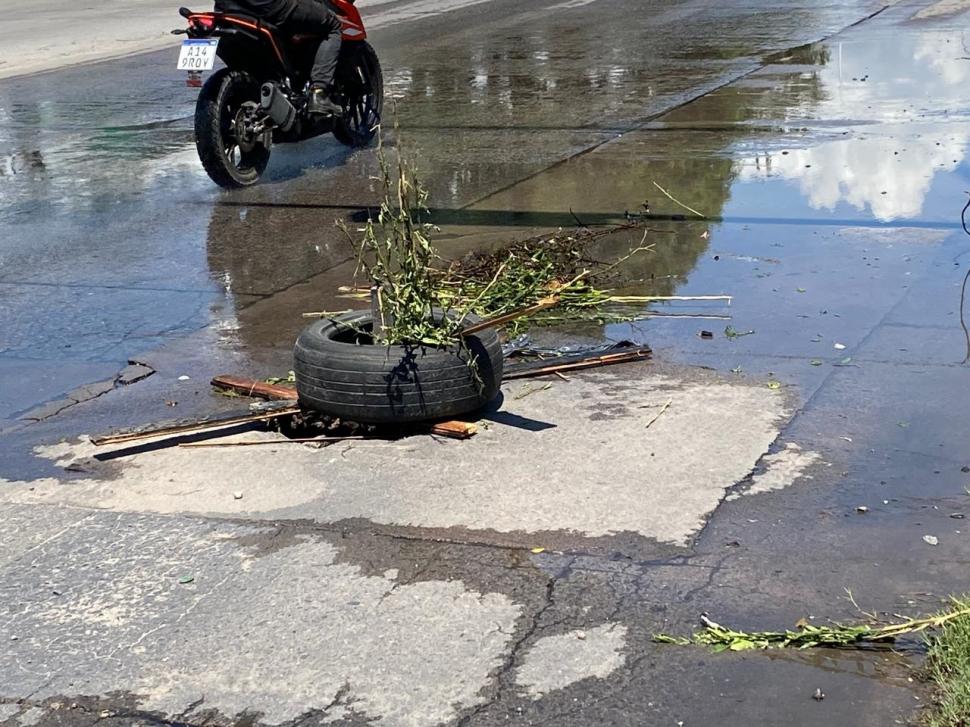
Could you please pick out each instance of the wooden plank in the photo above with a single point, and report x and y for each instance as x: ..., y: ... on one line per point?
x: 574, y: 363
x: 454, y: 430
x: 254, y: 389
x: 194, y: 427
x: 303, y: 440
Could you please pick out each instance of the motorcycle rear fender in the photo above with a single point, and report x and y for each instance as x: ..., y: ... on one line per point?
x: 353, y: 24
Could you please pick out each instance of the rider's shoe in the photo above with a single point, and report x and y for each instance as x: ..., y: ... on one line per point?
x: 320, y: 103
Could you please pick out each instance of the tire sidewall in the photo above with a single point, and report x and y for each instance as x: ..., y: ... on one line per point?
x: 393, y: 384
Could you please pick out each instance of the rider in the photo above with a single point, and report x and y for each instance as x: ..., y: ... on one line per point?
x: 303, y: 16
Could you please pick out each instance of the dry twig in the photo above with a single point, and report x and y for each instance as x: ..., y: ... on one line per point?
x: 678, y: 202
x: 664, y: 408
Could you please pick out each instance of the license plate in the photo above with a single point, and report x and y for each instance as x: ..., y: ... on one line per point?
x: 198, y: 54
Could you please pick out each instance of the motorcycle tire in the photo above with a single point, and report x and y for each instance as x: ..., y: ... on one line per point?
x: 227, y: 162
x: 359, y: 86
x: 340, y: 373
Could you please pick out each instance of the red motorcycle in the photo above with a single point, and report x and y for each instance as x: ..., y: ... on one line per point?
x: 259, y: 98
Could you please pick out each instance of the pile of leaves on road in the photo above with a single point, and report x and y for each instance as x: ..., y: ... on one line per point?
x: 422, y: 298
x: 947, y: 635
x: 720, y: 638
x: 520, y: 274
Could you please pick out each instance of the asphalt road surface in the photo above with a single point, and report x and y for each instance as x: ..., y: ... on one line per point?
x: 806, y: 448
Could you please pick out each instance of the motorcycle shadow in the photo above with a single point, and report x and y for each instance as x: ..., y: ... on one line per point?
x: 290, y: 162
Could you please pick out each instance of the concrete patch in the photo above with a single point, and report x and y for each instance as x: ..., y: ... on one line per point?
x: 555, y: 662
x: 178, y: 611
x: 574, y: 458
x: 781, y: 470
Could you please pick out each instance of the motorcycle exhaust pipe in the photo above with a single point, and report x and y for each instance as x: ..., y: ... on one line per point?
x: 277, y: 106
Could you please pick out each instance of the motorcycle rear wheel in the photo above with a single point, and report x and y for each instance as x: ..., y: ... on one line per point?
x: 230, y: 158
x: 359, y: 85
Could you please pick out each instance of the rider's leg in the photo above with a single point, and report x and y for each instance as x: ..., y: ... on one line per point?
x: 312, y: 16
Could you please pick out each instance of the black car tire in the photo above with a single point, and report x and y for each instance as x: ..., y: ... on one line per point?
x: 372, y: 384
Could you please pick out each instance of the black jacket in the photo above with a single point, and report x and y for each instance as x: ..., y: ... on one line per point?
x: 272, y: 10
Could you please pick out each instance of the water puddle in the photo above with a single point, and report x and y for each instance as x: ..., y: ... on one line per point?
x: 825, y: 184
x: 109, y: 207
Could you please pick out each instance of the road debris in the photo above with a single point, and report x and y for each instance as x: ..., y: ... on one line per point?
x: 659, y: 414
x: 529, y: 390
x: 574, y: 363
x: 254, y: 389
x: 731, y: 333
x: 678, y: 202
x: 931, y: 540
x: 501, y: 320
x: 248, y: 443
x: 197, y: 427
x: 720, y: 638
x: 258, y: 389
x: 454, y: 429
x: 819, y: 695
x: 285, y: 407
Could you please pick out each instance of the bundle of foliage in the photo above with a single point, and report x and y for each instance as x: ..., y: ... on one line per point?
x: 396, y: 257
x: 420, y: 299
x: 720, y: 638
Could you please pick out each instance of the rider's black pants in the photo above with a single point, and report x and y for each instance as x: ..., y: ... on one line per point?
x: 312, y: 16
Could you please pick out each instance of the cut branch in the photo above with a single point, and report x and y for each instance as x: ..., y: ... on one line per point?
x: 501, y: 320
x: 194, y: 427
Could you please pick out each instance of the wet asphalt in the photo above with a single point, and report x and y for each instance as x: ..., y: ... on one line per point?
x: 829, y: 178
x: 115, y: 242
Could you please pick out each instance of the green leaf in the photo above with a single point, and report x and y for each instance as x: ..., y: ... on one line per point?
x: 742, y: 645
x: 731, y: 332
